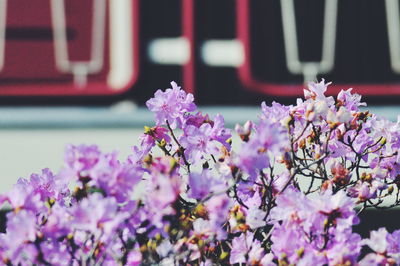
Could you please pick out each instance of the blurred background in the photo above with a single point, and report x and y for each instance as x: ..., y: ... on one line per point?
x: 80, y: 71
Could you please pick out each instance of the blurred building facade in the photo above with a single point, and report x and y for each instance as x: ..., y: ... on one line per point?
x: 226, y: 52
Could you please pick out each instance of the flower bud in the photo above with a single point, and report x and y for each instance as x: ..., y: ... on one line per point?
x: 223, y: 255
x: 302, y: 143
x: 147, y: 130
x: 162, y: 143
x: 148, y: 159
x: 300, y: 252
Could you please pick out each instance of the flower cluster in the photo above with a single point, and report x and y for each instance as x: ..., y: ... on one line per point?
x: 289, y: 195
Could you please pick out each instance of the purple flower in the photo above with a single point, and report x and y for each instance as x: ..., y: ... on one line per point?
x: 56, y: 253
x: 219, y: 132
x: 197, y: 119
x: 149, y: 138
x: 349, y: 100
x: 49, y: 185
x: 161, y: 192
x: 385, y: 247
x: 323, y: 222
x: 15, y: 244
x: 246, y: 249
x: 136, y: 158
x: 378, y: 240
x: 202, y: 184
x: 197, y: 142
x: 275, y: 113
x: 251, y: 159
x: 201, y: 203
x: 292, y: 205
x: 114, y: 178
x: 393, y: 242
x: 103, y: 216
x: 375, y: 259
x: 316, y: 90
x: 366, y: 190
x: 255, y: 217
x: 21, y: 227
x: 268, y: 139
x: 284, y: 245
x: 80, y: 159
x: 171, y: 105
x: 134, y: 258
x: 245, y: 130
x: 271, y: 136
x: 338, y: 207
x: 22, y: 196
x: 203, y: 229
x: 58, y: 222
x: 217, y: 208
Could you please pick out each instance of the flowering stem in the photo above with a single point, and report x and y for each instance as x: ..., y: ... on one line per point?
x: 181, y: 148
